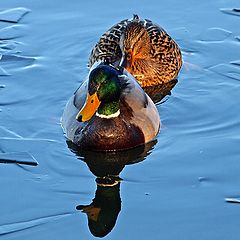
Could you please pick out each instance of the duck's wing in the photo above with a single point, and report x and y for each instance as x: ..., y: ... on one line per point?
x: 164, y: 48
x: 107, y: 48
x: 137, y: 108
x: 69, y: 123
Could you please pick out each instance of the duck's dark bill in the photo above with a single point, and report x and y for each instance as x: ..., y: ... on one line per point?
x: 90, y: 107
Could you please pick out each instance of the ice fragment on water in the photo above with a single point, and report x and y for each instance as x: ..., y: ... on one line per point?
x: 232, y: 11
x: 12, y: 61
x: 20, y: 226
x: 237, y: 63
x: 227, y: 70
x: 10, y: 32
x: 13, y: 15
x: 215, y: 34
x: 18, y: 158
x: 232, y: 200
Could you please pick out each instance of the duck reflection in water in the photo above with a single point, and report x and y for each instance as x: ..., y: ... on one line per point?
x: 102, y: 213
x: 158, y: 92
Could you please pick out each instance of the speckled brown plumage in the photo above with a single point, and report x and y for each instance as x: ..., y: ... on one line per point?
x: 143, y: 48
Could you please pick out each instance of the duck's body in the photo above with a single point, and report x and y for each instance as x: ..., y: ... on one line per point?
x: 134, y: 123
x: 143, y: 48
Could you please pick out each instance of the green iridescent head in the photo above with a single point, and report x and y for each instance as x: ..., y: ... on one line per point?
x: 104, y: 80
x: 104, y: 90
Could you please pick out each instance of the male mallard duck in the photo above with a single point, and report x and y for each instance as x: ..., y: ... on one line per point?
x: 110, y: 111
x: 143, y: 48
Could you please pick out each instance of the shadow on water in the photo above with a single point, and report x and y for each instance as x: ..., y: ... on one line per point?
x: 158, y: 92
x: 103, y: 211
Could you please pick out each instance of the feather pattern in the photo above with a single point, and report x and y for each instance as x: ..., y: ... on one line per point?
x: 158, y: 58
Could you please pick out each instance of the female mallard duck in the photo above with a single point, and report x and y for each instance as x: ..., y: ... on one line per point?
x: 143, y: 48
x: 110, y: 111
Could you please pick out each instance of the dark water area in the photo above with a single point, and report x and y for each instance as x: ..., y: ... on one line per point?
x: 185, y: 185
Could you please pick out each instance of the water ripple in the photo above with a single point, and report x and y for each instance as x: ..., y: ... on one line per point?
x: 24, y: 158
x: 237, y: 63
x: 3, y: 72
x: 13, y: 62
x: 226, y: 70
x: 7, y: 45
x: 13, y: 15
x: 20, y: 226
x: 11, y: 32
x: 232, y: 11
x: 232, y: 200
x: 215, y: 34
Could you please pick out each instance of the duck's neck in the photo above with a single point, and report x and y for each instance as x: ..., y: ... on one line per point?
x: 108, y: 110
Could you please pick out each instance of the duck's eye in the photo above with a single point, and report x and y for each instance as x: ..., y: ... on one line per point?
x: 92, y: 101
x: 128, y: 56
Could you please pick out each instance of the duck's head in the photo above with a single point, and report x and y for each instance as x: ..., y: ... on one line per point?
x: 134, y: 43
x: 104, y: 89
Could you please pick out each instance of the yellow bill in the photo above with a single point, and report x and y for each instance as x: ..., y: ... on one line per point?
x: 90, y: 107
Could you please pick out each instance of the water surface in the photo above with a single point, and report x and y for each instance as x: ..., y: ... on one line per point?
x: 176, y: 189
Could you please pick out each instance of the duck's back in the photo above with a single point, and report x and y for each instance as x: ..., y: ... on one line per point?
x: 164, y: 57
x: 107, y: 48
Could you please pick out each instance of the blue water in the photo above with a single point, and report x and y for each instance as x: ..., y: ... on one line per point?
x: 175, y: 189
